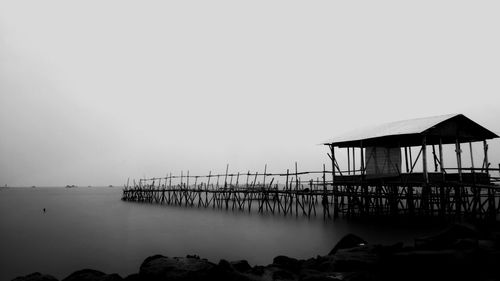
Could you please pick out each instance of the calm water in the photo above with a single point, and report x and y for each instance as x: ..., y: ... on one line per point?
x: 92, y: 228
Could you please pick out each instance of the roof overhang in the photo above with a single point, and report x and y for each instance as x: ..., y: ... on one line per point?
x: 445, y: 129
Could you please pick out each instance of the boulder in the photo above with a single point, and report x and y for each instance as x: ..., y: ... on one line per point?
x: 449, y: 237
x: 337, y: 276
x: 134, y: 277
x: 92, y: 275
x: 390, y: 249
x: 37, y: 276
x: 348, y: 241
x: 224, y: 265
x: 274, y: 273
x: 241, y: 265
x: 226, y: 271
x: 356, y: 259
x: 164, y: 268
x: 285, y: 262
x: 315, y: 275
x: 447, y: 264
x: 284, y: 275
x: 258, y: 270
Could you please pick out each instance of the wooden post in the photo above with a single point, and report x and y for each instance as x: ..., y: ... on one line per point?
x: 441, y: 160
x: 434, y: 158
x: 180, y: 192
x: 442, y: 198
x: 353, y: 161
x: 411, y: 159
x: 225, y: 177
x: 475, y: 190
x: 296, y: 190
x: 362, y: 160
x: 486, y: 163
x: 286, y: 189
x: 169, y: 188
x: 471, y: 157
x: 458, y: 189
x: 332, y: 157
x: 424, y: 159
x: 406, y: 159
x: 324, y: 201
x: 335, y: 191
x: 206, y: 188
x: 348, y: 162
x: 425, y: 187
x: 364, y: 187
x: 491, y: 209
x: 459, y: 159
x: 265, y: 170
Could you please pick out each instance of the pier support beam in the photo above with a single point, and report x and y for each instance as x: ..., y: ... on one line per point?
x: 458, y: 188
x: 491, y: 211
x: 335, y: 189
x: 425, y: 188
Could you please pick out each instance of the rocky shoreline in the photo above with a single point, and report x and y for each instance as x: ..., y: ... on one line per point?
x: 462, y: 252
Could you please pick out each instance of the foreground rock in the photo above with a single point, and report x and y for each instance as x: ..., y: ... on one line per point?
x: 347, y: 242
x: 92, y: 275
x: 37, y: 276
x: 459, y: 253
x: 164, y: 268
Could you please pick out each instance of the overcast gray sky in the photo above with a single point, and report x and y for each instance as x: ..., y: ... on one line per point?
x: 93, y: 92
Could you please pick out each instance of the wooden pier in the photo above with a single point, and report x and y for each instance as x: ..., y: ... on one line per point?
x: 315, y: 194
x: 377, y: 186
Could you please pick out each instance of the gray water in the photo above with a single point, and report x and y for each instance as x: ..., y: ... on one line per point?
x: 92, y: 228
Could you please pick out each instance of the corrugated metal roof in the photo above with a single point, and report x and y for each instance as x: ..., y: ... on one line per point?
x: 404, y: 128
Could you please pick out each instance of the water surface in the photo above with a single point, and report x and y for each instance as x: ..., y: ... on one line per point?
x: 92, y: 228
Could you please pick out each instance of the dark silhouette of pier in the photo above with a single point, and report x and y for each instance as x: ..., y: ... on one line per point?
x: 291, y: 194
x: 377, y: 186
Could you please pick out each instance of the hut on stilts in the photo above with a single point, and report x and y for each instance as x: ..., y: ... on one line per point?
x: 386, y: 180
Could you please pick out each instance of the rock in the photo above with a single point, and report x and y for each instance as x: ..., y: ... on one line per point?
x: 310, y: 263
x: 448, y: 237
x: 225, y: 271
x: 111, y: 277
x: 258, y: 270
x: 148, y: 259
x: 465, y: 243
x: 315, y: 275
x: 272, y: 272
x: 284, y: 275
x: 348, y: 241
x: 225, y: 265
x: 326, y: 266
x: 448, y: 264
x: 134, y: 277
x: 285, y: 262
x: 37, y: 276
x: 92, y: 275
x: 356, y: 259
x: 165, y: 268
x: 241, y: 265
x: 389, y: 250
x: 336, y: 276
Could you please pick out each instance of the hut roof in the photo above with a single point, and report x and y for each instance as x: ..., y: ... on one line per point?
x: 447, y: 128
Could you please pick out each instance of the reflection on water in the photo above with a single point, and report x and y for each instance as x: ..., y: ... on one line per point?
x: 92, y: 228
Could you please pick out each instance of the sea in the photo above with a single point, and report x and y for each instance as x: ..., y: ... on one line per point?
x: 91, y: 227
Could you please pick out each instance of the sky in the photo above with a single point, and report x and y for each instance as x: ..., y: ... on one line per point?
x: 95, y: 92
